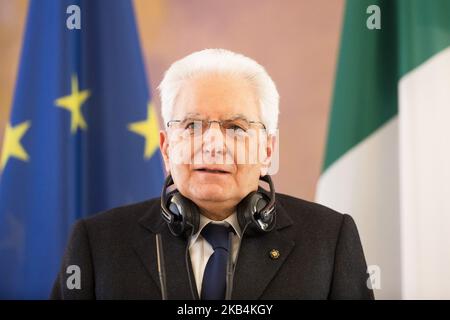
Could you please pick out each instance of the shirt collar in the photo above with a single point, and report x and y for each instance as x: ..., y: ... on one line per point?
x: 230, y: 220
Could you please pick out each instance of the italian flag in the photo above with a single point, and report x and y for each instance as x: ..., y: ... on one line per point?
x: 387, y: 160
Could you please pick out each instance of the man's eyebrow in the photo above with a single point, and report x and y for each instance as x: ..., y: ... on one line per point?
x: 238, y: 116
x: 192, y: 114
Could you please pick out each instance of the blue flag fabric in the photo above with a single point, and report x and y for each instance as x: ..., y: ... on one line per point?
x: 82, y: 137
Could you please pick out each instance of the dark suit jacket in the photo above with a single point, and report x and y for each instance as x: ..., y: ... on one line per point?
x: 320, y: 256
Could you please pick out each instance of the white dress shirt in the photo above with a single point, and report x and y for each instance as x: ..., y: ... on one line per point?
x: 200, y: 250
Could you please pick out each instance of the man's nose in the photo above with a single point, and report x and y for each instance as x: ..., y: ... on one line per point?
x: 213, y: 139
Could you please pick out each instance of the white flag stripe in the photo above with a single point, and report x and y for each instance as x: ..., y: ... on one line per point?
x: 364, y: 183
x: 424, y: 113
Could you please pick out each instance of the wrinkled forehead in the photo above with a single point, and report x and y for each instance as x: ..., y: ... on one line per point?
x: 216, y: 96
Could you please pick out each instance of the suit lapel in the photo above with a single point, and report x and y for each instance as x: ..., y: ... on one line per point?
x: 177, y: 279
x: 178, y: 272
x: 255, y: 267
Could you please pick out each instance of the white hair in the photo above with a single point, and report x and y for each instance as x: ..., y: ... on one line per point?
x: 227, y: 62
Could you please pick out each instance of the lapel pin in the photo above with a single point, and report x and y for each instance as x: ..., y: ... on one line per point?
x: 274, y: 254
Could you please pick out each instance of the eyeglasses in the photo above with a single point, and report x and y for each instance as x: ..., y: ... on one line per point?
x: 233, y: 127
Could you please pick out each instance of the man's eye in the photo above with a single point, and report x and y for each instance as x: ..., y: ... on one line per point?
x: 237, y: 128
x: 189, y: 125
x: 192, y: 125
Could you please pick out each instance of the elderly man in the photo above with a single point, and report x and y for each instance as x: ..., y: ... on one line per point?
x: 215, y: 233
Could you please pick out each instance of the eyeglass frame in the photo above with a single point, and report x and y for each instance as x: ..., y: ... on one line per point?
x: 250, y: 122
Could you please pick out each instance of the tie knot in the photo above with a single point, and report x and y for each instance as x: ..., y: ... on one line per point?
x: 217, y: 235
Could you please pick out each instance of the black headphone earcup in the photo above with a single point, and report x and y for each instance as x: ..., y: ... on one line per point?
x: 256, y: 213
x: 186, y: 215
x: 247, y: 213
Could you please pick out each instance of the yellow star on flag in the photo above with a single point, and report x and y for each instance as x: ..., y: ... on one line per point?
x: 11, y: 143
x: 73, y: 103
x: 149, y: 130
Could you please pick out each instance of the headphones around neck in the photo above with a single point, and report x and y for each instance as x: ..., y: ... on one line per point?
x: 255, y: 213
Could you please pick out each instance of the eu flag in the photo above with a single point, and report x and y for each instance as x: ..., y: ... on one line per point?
x: 82, y: 137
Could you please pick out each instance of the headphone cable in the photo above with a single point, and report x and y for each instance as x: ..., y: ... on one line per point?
x: 186, y: 261
x: 161, y: 266
x: 231, y: 270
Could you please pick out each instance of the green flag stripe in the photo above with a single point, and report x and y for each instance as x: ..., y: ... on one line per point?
x: 371, y: 62
x: 424, y: 30
x: 364, y: 79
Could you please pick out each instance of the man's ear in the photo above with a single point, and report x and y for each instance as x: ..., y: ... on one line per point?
x: 164, y: 147
x: 269, y: 149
